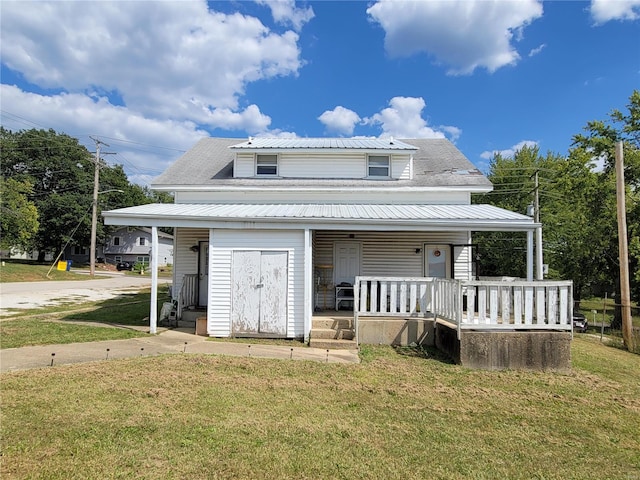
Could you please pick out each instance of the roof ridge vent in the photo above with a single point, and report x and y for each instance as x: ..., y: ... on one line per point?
x: 391, y: 140
x: 250, y: 140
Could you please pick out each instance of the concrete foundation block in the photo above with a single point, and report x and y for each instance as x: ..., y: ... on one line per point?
x: 396, y: 331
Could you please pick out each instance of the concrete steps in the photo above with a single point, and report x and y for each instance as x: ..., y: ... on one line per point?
x: 333, y: 333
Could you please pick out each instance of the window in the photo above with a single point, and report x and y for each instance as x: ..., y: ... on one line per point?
x: 143, y: 260
x: 117, y: 259
x: 379, y: 166
x: 267, y: 165
x: 116, y: 241
x: 79, y: 251
x: 142, y: 241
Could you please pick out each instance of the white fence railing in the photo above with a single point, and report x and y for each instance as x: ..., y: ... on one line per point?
x: 478, y: 305
x: 188, y: 295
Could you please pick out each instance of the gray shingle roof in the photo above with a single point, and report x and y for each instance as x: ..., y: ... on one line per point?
x: 437, y: 163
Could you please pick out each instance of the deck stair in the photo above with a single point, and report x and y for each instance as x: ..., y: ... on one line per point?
x: 333, y: 333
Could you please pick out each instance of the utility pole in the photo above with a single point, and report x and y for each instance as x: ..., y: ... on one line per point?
x: 94, y: 210
x: 536, y: 211
x: 623, y: 252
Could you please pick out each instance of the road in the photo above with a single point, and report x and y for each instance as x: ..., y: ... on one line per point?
x: 27, y: 295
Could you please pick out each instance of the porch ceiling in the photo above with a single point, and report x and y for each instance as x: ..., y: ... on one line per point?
x: 334, y: 216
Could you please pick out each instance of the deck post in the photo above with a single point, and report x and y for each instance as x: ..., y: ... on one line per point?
x: 153, y: 313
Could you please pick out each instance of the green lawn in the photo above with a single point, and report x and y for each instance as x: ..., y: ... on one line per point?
x: 22, y: 271
x: 56, y: 325
x: 395, y: 416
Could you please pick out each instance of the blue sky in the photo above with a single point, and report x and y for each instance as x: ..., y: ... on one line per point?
x: 150, y: 78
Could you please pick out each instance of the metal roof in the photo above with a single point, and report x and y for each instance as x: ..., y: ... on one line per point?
x: 323, y: 143
x: 467, y: 217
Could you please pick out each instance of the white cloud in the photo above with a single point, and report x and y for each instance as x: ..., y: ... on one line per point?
x: 537, y: 50
x: 285, y: 12
x: 167, y: 59
x: 403, y: 119
x: 508, y: 152
x: 604, y: 11
x: 131, y: 136
x: 463, y: 34
x: 340, y: 120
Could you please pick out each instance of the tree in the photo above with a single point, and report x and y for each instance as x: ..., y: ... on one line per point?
x: 61, y: 171
x: 566, y: 188
x: 599, y: 143
x: 19, y: 220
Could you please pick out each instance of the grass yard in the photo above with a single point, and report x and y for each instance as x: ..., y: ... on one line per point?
x: 395, y: 416
x: 14, y: 271
x: 57, y: 325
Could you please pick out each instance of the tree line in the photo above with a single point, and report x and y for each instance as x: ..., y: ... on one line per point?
x: 46, y: 191
x: 577, y: 195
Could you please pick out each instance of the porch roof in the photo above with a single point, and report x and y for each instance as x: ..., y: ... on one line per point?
x: 334, y: 216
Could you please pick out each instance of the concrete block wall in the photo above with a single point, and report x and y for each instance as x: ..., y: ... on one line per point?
x: 396, y: 331
x: 499, y: 350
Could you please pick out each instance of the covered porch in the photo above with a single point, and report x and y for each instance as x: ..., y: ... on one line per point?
x: 386, y: 241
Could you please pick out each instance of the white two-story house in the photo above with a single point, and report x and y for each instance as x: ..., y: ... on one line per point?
x: 270, y: 232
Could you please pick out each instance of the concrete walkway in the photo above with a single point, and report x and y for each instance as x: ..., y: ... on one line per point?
x: 167, y: 341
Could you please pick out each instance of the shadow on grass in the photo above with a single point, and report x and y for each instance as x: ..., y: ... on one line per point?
x: 126, y: 309
x: 419, y: 351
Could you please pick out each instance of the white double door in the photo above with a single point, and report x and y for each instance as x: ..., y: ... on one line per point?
x: 259, y: 292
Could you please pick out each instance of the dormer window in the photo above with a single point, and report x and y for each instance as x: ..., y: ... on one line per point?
x: 267, y: 165
x: 379, y: 166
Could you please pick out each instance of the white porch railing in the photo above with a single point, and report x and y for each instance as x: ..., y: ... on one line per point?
x: 471, y: 305
x: 188, y: 294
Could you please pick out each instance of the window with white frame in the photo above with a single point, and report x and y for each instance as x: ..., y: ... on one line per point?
x: 267, y: 165
x: 143, y: 260
x: 379, y: 166
x: 117, y: 259
x: 142, y: 241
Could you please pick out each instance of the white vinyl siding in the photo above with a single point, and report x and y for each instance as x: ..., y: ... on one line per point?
x: 185, y: 260
x: 391, y: 254
x: 289, y: 195
x: 339, y: 165
x: 323, y: 165
x: 224, y: 242
x: 402, y: 167
x: 244, y: 165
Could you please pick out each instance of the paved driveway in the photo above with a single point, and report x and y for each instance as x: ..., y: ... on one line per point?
x: 26, y: 295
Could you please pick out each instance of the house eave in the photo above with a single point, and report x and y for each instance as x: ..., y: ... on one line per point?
x: 332, y: 189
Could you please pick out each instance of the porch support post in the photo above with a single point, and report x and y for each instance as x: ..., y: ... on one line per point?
x: 539, y: 267
x: 153, y: 314
x: 308, y: 284
x: 529, y: 255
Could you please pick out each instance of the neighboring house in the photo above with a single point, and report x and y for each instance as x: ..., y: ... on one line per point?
x: 270, y: 233
x: 133, y: 244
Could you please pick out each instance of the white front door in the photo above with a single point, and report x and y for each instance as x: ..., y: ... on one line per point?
x: 259, y: 292
x: 437, y: 261
x: 346, y: 262
x: 203, y: 273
